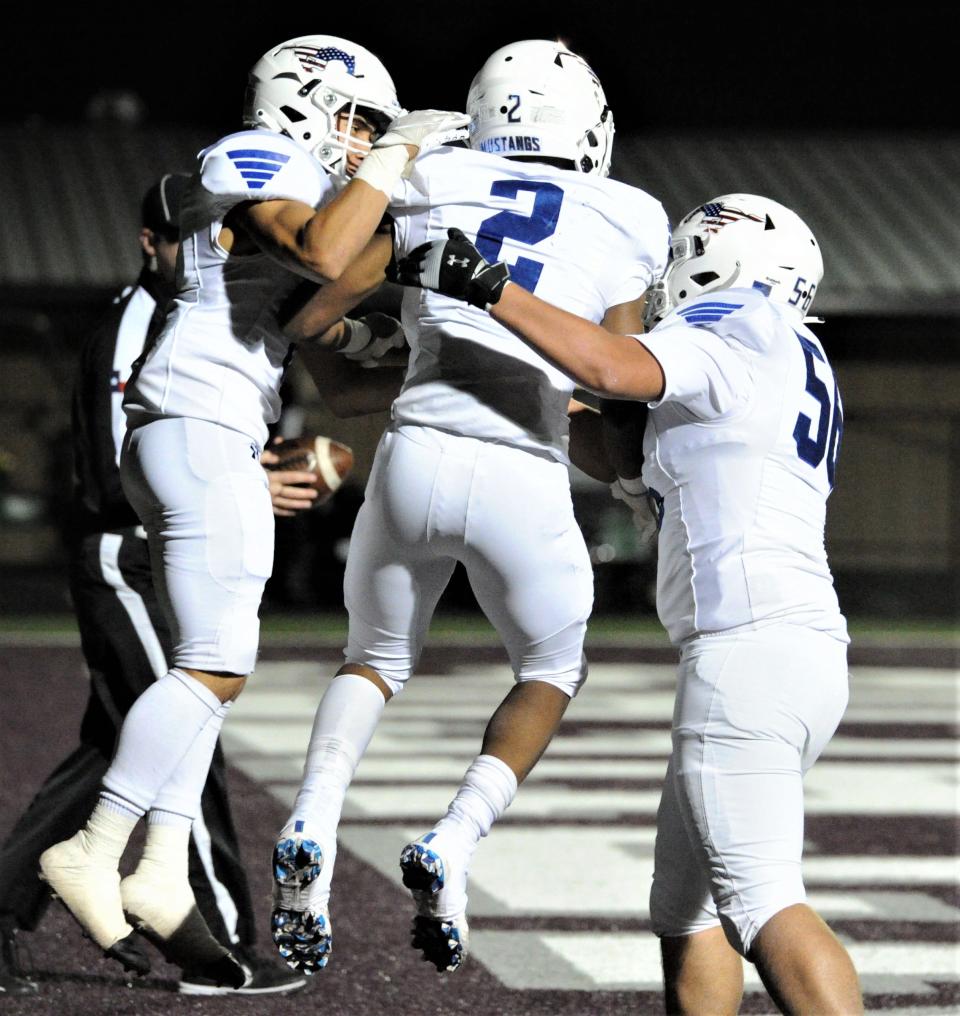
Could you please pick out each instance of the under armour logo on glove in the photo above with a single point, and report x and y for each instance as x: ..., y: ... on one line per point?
x: 453, y: 267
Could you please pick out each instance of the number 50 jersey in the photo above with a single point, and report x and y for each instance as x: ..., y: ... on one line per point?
x: 580, y: 242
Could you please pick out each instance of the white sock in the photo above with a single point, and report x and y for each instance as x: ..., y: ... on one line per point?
x: 159, y: 730
x: 179, y: 797
x: 342, y: 728
x: 488, y: 787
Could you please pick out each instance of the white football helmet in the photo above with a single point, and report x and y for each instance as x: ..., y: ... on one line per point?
x: 539, y: 98
x: 739, y: 240
x: 300, y: 88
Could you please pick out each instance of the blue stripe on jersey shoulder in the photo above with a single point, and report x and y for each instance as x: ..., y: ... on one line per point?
x: 707, y: 312
x: 257, y: 166
x: 258, y: 153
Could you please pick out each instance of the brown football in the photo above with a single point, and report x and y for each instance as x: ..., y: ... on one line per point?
x: 328, y: 460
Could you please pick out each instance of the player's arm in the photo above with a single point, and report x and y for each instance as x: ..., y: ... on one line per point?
x: 332, y: 348
x: 587, y: 449
x: 624, y: 420
x: 318, y: 321
x: 321, y: 243
x: 614, y: 366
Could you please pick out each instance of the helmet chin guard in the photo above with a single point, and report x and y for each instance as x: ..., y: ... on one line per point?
x: 739, y: 240
x: 306, y: 86
x: 537, y: 98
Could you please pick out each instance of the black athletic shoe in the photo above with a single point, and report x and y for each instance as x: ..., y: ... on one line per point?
x: 13, y: 980
x: 264, y: 977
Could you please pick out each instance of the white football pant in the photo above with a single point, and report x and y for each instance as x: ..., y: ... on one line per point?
x: 753, y: 712
x: 434, y: 499
x: 204, y: 501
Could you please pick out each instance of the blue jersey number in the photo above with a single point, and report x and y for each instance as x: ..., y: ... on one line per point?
x: 529, y: 229
x: 826, y: 443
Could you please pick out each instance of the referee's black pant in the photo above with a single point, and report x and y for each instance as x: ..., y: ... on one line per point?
x: 126, y: 644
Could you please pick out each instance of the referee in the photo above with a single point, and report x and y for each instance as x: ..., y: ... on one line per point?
x: 125, y: 639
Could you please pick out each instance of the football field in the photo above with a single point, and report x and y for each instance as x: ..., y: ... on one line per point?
x: 558, y: 892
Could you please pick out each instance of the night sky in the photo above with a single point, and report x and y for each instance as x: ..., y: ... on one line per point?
x: 783, y: 66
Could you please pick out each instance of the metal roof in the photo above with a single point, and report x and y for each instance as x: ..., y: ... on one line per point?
x: 882, y: 206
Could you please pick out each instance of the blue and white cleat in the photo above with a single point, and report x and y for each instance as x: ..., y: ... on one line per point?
x: 300, y: 922
x: 440, y: 928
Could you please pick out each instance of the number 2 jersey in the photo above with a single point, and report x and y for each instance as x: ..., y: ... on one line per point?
x: 740, y: 451
x: 581, y: 242
x: 221, y: 353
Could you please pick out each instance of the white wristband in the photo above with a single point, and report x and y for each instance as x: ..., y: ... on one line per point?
x: 383, y: 167
x: 358, y: 336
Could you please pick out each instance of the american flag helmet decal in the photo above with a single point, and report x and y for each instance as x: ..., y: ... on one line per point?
x: 716, y: 215
x: 312, y: 59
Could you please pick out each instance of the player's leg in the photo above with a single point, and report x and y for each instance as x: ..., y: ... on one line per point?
x: 753, y: 713
x: 804, y: 966
x: 391, y: 587
x: 702, y: 973
x: 801, y: 962
x: 533, y: 580
x: 203, y: 498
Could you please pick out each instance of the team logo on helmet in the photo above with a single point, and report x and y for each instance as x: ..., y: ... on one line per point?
x: 316, y: 60
x: 717, y: 215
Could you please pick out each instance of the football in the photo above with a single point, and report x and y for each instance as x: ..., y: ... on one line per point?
x: 328, y: 460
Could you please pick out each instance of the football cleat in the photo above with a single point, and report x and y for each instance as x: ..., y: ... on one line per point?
x: 300, y: 922
x: 90, y: 891
x: 262, y: 978
x: 439, y: 929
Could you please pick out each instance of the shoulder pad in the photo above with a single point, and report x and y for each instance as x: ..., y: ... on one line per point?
x: 745, y: 315
x: 260, y: 166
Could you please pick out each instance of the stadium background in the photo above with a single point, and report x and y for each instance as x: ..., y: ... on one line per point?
x: 824, y: 108
x: 834, y: 118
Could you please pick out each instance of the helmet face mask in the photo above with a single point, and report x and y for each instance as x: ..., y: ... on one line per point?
x: 538, y: 99
x: 744, y: 241
x: 316, y: 89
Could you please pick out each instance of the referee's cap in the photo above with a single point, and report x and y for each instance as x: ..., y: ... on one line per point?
x: 160, y: 209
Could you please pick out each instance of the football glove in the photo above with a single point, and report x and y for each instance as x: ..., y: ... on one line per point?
x: 370, y: 337
x: 426, y: 129
x: 453, y: 267
x: 633, y: 493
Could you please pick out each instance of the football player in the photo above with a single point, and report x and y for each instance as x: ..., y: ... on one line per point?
x: 296, y: 195
x: 740, y: 454
x: 474, y: 469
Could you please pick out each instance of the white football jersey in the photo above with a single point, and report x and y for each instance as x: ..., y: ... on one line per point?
x: 221, y: 353
x: 581, y: 242
x: 740, y: 454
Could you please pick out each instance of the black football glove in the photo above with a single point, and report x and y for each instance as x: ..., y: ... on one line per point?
x: 453, y: 267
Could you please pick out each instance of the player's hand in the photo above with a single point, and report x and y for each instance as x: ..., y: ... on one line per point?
x: 424, y: 129
x: 633, y: 493
x: 369, y: 338
x: 288, y: 494
x: 453, y: 267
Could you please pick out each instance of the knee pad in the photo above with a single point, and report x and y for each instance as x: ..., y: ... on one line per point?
x: 568, y: 681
